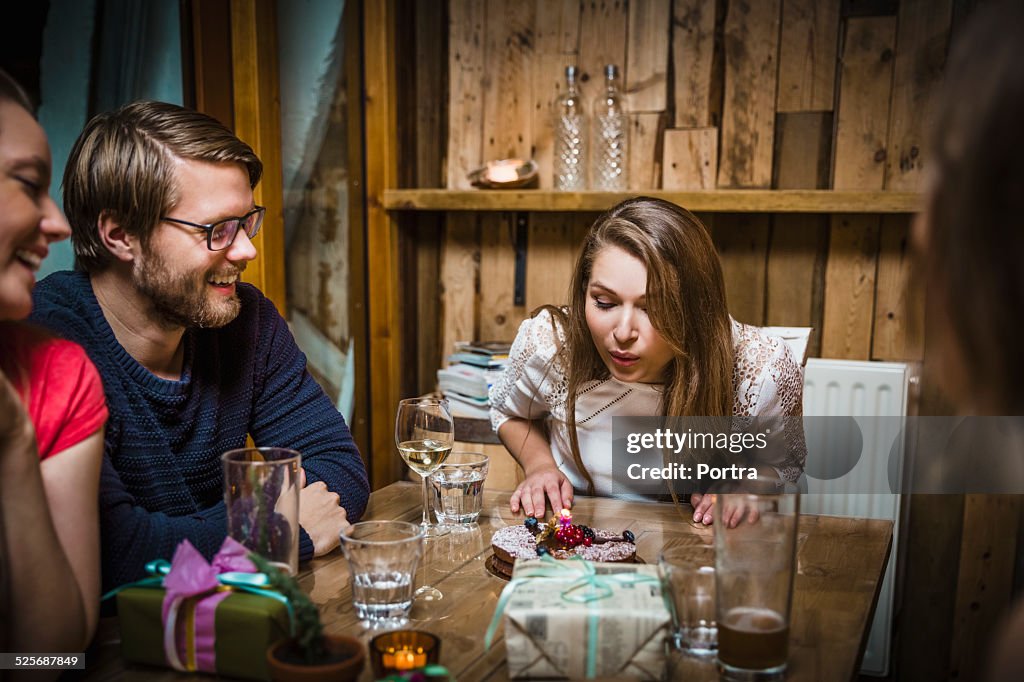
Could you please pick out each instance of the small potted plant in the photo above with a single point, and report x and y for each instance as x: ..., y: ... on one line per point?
x: 310, y: 655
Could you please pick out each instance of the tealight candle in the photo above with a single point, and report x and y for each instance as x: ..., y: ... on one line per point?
x: 403, y: 650
x: 502, y: 173
x: 403, y: 659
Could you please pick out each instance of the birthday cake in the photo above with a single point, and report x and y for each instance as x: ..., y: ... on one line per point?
x: 561, y: 539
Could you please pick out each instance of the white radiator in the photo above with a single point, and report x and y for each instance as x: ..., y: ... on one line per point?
x: 837, y: 388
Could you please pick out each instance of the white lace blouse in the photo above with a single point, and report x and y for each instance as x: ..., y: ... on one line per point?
x: 767, y: 381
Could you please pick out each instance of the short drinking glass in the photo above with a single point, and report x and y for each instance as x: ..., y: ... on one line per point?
x: 688, y: 574
x: 382, y: 559
x: 457, y: 488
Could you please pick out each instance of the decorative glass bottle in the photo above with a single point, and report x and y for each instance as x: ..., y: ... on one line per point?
x: 570, y: 168
x: 610, y: 136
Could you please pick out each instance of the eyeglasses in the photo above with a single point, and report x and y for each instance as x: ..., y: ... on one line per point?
x: 221, y: 235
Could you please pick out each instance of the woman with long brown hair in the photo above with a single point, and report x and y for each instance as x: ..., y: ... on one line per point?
x: 646, y: 333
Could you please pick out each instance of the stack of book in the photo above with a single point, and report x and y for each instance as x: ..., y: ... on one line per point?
x: 472, y: 369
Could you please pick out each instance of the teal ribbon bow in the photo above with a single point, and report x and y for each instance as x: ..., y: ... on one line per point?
x: 253, y: 583
x: 588, y: 587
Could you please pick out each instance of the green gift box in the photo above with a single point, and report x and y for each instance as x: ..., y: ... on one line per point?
x: 245, y: 625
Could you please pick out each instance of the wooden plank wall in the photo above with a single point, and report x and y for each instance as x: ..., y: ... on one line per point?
x: 784, y: 94
x: 787, y: 94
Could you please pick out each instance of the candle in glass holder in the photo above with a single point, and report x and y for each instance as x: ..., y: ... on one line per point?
x: 403, y: 659
x: 403, y: 650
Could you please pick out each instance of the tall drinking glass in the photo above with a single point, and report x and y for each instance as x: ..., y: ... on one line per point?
x: 755, y: 560
x: 425, y: 434
x: 261, y: 496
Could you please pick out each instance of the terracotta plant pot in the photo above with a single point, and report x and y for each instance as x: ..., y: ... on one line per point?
x: 281, y: 660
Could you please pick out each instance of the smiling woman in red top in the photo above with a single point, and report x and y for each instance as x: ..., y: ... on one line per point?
x: 52, y: 413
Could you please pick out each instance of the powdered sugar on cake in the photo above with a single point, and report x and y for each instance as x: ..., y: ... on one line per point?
x: 520, y: 543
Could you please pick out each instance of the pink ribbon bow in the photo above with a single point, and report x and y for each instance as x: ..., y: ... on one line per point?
x: 189, y: 626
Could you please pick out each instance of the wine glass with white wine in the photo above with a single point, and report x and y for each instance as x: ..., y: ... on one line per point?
x: 425, y: 434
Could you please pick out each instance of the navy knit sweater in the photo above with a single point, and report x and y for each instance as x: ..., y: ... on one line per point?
x: 162, y: 480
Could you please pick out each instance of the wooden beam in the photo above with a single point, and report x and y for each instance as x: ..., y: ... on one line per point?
x: 742, y: 243
x: 358, y: 314
x: 798, y: 250
x: 257, y: 120
x: 748, y: 110
x: 899, y: 296
x: 508, y: 101
x: 803, y: 150
x: 499, y: 315
x: 466, y: 36
x: 807, y: 55
x: 384, y: 280
x: 690, y: 159
x: 921, y: 43
x: 460, y: 281
x: 643, y: 169
x: 211, y: 90
x: 552, y: 247
x: 556, y: 34
x: 693, y: 53
x: 729, y: 201
x: 864, y: 89
x: 602, y: 36
x: 985, y: 583
x: 647, y: 55
x: 850, y: 287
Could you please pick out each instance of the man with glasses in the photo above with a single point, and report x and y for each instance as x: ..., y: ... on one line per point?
x: 160, y: 201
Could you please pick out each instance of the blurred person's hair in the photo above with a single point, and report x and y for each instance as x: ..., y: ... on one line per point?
x: 975, y: 205
x: 123, y: 167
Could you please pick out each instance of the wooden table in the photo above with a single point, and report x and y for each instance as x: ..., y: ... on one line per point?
x: 840, y: 562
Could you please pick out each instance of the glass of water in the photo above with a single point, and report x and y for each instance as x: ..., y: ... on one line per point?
x: 457, y: 488
x: 382, y: 559
x: 688, y: 575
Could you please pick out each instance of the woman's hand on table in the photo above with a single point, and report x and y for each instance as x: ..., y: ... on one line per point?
x: 703, y: 505
x: 546, y: 480
x: 733, y: 511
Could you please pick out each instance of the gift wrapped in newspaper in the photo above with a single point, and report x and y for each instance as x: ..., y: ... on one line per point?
x: 575, y: 619
x: 195, y: 616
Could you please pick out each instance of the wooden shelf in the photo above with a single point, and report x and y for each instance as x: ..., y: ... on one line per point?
x: 720, y: 201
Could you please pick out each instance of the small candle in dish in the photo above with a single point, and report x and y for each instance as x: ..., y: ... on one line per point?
x: 403, y: 650
x: 505, y: 174
x: 500, y: 173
